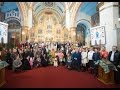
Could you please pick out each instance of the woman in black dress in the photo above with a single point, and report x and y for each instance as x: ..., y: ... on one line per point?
x: 25, y: 64
x: 43, y: 60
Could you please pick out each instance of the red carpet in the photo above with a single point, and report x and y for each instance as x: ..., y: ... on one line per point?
x: 53, y: 77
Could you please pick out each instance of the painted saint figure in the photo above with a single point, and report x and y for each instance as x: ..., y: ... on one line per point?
x: 97, y: 37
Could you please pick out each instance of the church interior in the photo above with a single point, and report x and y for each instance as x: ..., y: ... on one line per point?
x: 45, y: 22
x: 59, y: 21
x: 91, y: 24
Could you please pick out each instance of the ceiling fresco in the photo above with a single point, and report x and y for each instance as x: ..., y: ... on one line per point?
x: 8, y: 6
x: 88, y: 8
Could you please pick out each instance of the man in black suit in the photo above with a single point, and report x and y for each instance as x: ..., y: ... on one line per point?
x: 58, y: 46
x: 114, y: 57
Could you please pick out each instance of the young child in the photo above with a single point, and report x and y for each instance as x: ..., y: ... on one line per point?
x: 68, y: 64
x: 36, y: 62
x: 31, y: 62
x: 61, y: 55
x: 55, y: 62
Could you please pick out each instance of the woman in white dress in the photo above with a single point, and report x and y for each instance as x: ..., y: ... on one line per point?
x: 84, y: 59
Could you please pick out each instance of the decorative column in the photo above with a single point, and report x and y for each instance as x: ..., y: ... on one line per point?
x: 64, y: 33
x: 73, y: 34
x: 30, y: 17
x: 24, y: 33
x: 30, y: 20
x: 67, y: 15
x: 108, y: 12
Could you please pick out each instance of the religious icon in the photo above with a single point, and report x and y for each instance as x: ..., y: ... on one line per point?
x: 97, y: 35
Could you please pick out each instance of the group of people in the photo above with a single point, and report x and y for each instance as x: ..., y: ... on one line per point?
x: 29, y: 56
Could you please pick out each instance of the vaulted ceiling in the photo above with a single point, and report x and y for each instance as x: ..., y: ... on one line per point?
x: 56, y: 9
x: 88, y: 8
x: 7, y: 6
x: 60, y: 6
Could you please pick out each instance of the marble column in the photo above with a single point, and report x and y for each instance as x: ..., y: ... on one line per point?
x: 73, y: 34
x: 30, y: 17
x: 67, y: 15
x: 30, y: 21
x: 108, y: 12
x: 24, y: 33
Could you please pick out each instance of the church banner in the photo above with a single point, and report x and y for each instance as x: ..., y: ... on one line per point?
x: 3, y: 32
x: 98, y: 35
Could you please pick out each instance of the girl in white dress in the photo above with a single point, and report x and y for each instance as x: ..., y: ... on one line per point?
x: 55, y: 62
x: 84, y: 59
x: 31, y: 62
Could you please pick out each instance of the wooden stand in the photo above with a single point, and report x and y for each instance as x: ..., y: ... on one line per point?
x: 2, y: 77
x: 106, y: 78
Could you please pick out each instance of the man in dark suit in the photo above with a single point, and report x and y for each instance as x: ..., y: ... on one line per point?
x: 114, y: 57
x: 58, y: 46
x: 76, y: 60
x: 25, y: 64
x: 95, y: 58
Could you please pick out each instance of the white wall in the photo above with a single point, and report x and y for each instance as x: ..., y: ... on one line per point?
x: 108, y: 18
